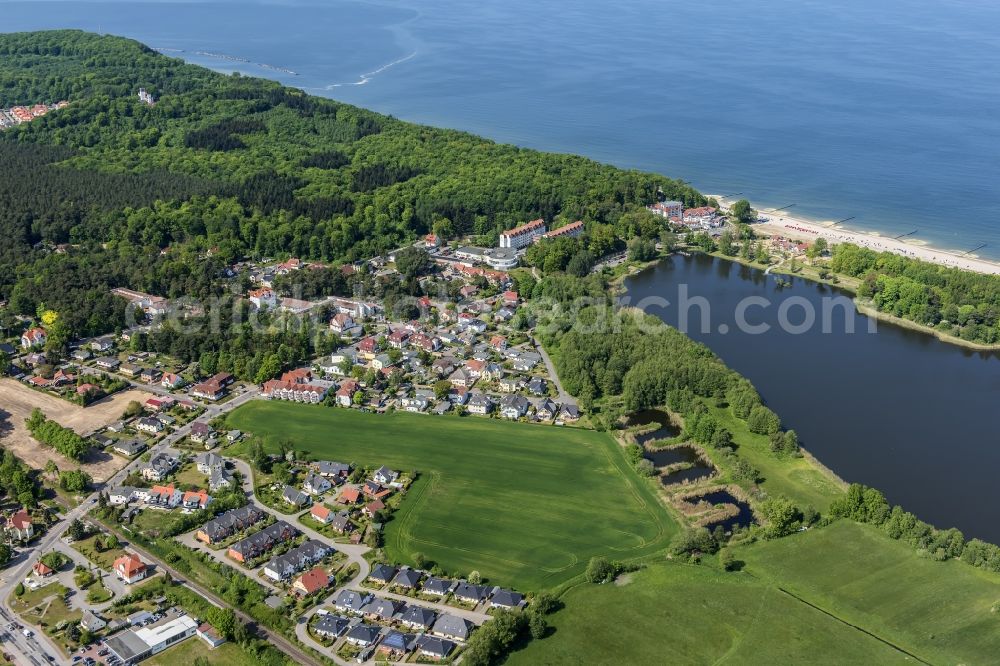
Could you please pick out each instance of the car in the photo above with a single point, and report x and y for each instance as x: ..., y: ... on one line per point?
x: 103, y: 652
x: 28, y: 633
x: 76, y: 658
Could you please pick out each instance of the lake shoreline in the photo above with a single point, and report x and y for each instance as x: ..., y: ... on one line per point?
x: 778, y: 223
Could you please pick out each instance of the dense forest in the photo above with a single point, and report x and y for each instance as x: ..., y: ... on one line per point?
x: 960, y: 303
x: 134, y: 195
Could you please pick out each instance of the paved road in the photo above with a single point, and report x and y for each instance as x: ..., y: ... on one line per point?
x: 40, y: 649
x: 564, y: 397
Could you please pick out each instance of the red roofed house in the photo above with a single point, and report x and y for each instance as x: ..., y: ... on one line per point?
x: 130, y: 569
x: 263, y: 298
x: 350, y: 495
x: 20, y: 525
x: 311, y: 581
x: 321, y: 514
x: 41, y: 569
x: 373, y: 507
x: 195, y: 500
x: 34, y: 337
x: 431, y: 241
x: 171, y: 381
x: 345, y: 394
x: 511, y: 298
x: 498, y: 342
x: 84, y: 389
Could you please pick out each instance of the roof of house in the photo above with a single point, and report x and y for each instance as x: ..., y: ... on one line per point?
x: 320, y: 511
x: 333, y: 625
x: 506, y: 598
x: 21, y: 520
x: 129, y: 564
x: 439, y: 647
x: 418, y: 615
x: 406, y: 578
x: 438, y: 585
x: 364, y: 632
x: 470, y: 591
x: 314, y: 579
x: 382, y: 572
x: 451, y: 625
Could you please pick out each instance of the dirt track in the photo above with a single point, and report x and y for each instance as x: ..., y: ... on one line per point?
x: 16, y: 403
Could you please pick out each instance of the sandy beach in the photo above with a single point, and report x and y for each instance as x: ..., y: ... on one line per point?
x: 781, y: 223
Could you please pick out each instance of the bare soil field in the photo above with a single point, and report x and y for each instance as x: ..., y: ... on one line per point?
x: 16, y: 403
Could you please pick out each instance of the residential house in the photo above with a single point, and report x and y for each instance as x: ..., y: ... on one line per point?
x: 107, y: 363
x: 546, y: 410
x: 407, y: 579
x: 439, y: 587
x: 382, y: 574
x: 81, y: 354
x: 538, y: 386
x: 443, y: 366
x: 19, y: 525
x: 34, y: 337
x: 491, y: 372
x: 510, y: 383
x: 41, y: 570
x: 150, y: 375
x: 121, y: 495
x: 458, y: 395
x: 341, y: 524
x: 263, y: 298
x: 92, y: 622
x: 397, y: 339
x: 159, y: 467
x: 505, y: 599
x: 195, y: 499
x: 510, y: 298
x: 159, y: 404
x: 363, y: 635
x: 331, y: 626
x: 316, y: 484
x: 480, y: 403
x: 345, y: 394
x: 321, y: 514
x: 415, y: 404
x: 164, y: 496
x: 569, y: 413
x: 433, y: 647
x: 311, y: 582
x: 418, y: 617
x: 200, y: 432
x: 294, y: 496
x: 349, y: 601
x: 341, y: 323
x: 261, y: 542
x: 309, y: 553
x: 349, y: 495
x: 149, y: 424
x: 206, y: 463
x: 462, y: 378
x: 373, y: 508
x: 218, y: 479
x: 381, y: 610
x: 471, y: 594
x: 525, y: 361
x: 171, y: 381
x: 229, y: 523
x: 130, y: 369
x: 452, y: 627
x: 396, y: 644
x: 333, y: 469
x: 103, y: 344
x: 384, y: 475
x: 130, y: 569
x: 128, y: 447
x: 513, y: 406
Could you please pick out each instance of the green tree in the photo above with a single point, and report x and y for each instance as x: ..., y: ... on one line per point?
x: 742, y: 212
x: 599, y: 570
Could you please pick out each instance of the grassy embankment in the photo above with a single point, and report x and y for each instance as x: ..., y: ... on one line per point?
x: 526, y: 505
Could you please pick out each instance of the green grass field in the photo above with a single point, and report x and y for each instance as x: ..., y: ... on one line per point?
x: 526, y: 505
x: 686, y: 614
x: 939, y: 611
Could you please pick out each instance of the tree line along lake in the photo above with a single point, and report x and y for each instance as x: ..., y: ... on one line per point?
x: 896, y: 409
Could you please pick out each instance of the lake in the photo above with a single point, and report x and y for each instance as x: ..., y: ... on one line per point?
x: 882, y: 111
x: 896, y: 409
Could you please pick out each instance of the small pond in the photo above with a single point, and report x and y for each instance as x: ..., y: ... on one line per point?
x: 744, y: 518
x: 647, y: 416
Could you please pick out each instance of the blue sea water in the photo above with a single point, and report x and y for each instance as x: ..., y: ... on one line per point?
x: 884, y: 111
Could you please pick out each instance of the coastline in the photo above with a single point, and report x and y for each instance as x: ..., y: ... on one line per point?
x: 800, y: 228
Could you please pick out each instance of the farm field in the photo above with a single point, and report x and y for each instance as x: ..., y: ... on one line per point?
x: 939, y: 611
x: 685, y: 614
x: 525, y: 505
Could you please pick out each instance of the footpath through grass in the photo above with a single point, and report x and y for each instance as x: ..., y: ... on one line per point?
x: 939, y: 611
x: 526, y: 505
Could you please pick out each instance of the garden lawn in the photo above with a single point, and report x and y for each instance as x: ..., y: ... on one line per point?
x: 526, y: 505
x: 939, y: 611
x: 686, y: 614
x: 227, y: 654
